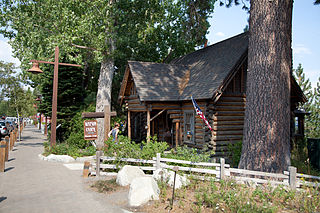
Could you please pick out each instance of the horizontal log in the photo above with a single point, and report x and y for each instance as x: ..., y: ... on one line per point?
x: 172, y: 111
x: 228, y: 118
x: 227, y: 123
x: 226, y: 138
x: 225, y: 133
x: 231, y: 99
x: 227, y: 113
x: 227, y: 128
x: 165, y: 107
x: 235, y: 104
x: 137, y: 109
x: 175, y: 116
x: 176, y: 120
x: 165, y: 104
x: 96, y: 114
x: 229, y: 108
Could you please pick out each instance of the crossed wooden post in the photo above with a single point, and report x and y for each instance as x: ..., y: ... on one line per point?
x: 106, y: 115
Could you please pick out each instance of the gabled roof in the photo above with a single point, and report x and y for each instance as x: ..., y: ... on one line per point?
x: 156, y: 81
x: 200, y: 73
x: 212, y: 65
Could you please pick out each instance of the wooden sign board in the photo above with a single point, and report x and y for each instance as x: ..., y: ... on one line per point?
x: 90, y: 129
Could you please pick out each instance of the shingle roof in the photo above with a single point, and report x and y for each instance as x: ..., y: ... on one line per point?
x: 199, y: 73
x: 155, y: 81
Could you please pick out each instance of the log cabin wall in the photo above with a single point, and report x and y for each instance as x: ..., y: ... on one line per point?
x: 194, y: 124
x: 227, y: 115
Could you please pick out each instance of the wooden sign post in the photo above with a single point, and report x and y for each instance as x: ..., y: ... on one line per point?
x: 106, y: 115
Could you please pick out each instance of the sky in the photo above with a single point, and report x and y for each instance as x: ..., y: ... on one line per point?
x: 228, y: 22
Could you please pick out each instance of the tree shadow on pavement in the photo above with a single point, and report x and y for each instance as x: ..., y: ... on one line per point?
x: 31, y: 144
x: 24, y: 138
x: 2, y: 199
x: 8, y: 169
x: 11, y: 159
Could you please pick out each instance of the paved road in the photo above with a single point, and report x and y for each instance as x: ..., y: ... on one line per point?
x: 32, y: 185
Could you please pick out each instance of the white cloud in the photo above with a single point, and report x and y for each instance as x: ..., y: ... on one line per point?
x: 6, y: 53
x: 220, y: 34
x: 301, y: 49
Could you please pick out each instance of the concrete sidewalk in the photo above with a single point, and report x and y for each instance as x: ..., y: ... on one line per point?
x: 32, y: 185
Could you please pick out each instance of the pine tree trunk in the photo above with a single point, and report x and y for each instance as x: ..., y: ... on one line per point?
x: 266, y: 143
x: 104, y: 96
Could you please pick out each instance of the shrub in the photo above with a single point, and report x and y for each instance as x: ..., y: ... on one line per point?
x: 190, y: 154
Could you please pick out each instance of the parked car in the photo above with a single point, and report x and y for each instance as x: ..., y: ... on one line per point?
x: 3, y: 129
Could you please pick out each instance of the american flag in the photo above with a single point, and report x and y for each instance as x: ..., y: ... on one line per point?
x: 200, y: 113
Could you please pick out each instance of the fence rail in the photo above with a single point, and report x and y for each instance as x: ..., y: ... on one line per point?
x: 218, y: 170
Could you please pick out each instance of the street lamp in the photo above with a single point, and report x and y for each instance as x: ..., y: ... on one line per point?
x: 36, y: 70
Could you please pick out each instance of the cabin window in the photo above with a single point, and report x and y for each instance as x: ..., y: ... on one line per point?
x: 188, y: 127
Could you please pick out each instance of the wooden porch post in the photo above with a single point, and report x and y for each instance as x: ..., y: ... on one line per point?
x: 106, y: 121
x: 129, y: 124
x: 148, y: 125
x: 177, y: 134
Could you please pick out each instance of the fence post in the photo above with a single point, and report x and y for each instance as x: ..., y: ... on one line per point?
x: 86, y: 167
x: 222, y: 173
x: 158, y: 161
x: 98, y: 156
x: 11, y: 141
x: 292, y: 177
x: 2, y: 155
x: 7, y: 147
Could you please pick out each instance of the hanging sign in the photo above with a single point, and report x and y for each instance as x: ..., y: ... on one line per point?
x: 90, y: 129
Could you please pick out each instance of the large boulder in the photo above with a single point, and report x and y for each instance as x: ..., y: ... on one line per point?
x: 168, y: 176
x: 60, y: 158
x: 143, y: 189
x: 127, y: 174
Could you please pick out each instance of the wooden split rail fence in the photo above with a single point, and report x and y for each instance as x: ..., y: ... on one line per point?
x: 7, y: 145
x: 218, y: 171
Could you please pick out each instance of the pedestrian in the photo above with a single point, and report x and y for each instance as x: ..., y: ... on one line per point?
x: 114, y: 132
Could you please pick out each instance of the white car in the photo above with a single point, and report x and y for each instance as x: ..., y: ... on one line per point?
x: 3, y: 129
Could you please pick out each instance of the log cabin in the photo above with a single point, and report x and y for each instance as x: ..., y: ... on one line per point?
x: 158, y: 97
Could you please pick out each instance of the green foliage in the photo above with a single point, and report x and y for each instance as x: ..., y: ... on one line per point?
x: 19, y: 101
x: 190, y: 154
x: 75, y: 130
x: 300, y: 160
x: 126, y: 148
x: 235, y: 150
x: 66, y: 149
x: 312, y: 105
x: 227, y: 196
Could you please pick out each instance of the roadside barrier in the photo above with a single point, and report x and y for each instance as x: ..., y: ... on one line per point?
x: 2, y: 155
x: 6, y: 146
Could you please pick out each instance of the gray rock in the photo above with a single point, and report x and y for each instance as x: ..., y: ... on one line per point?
x: 168, y: 176
x: 60, y: 158
x: 143, y: 189
x: 127, y: 174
